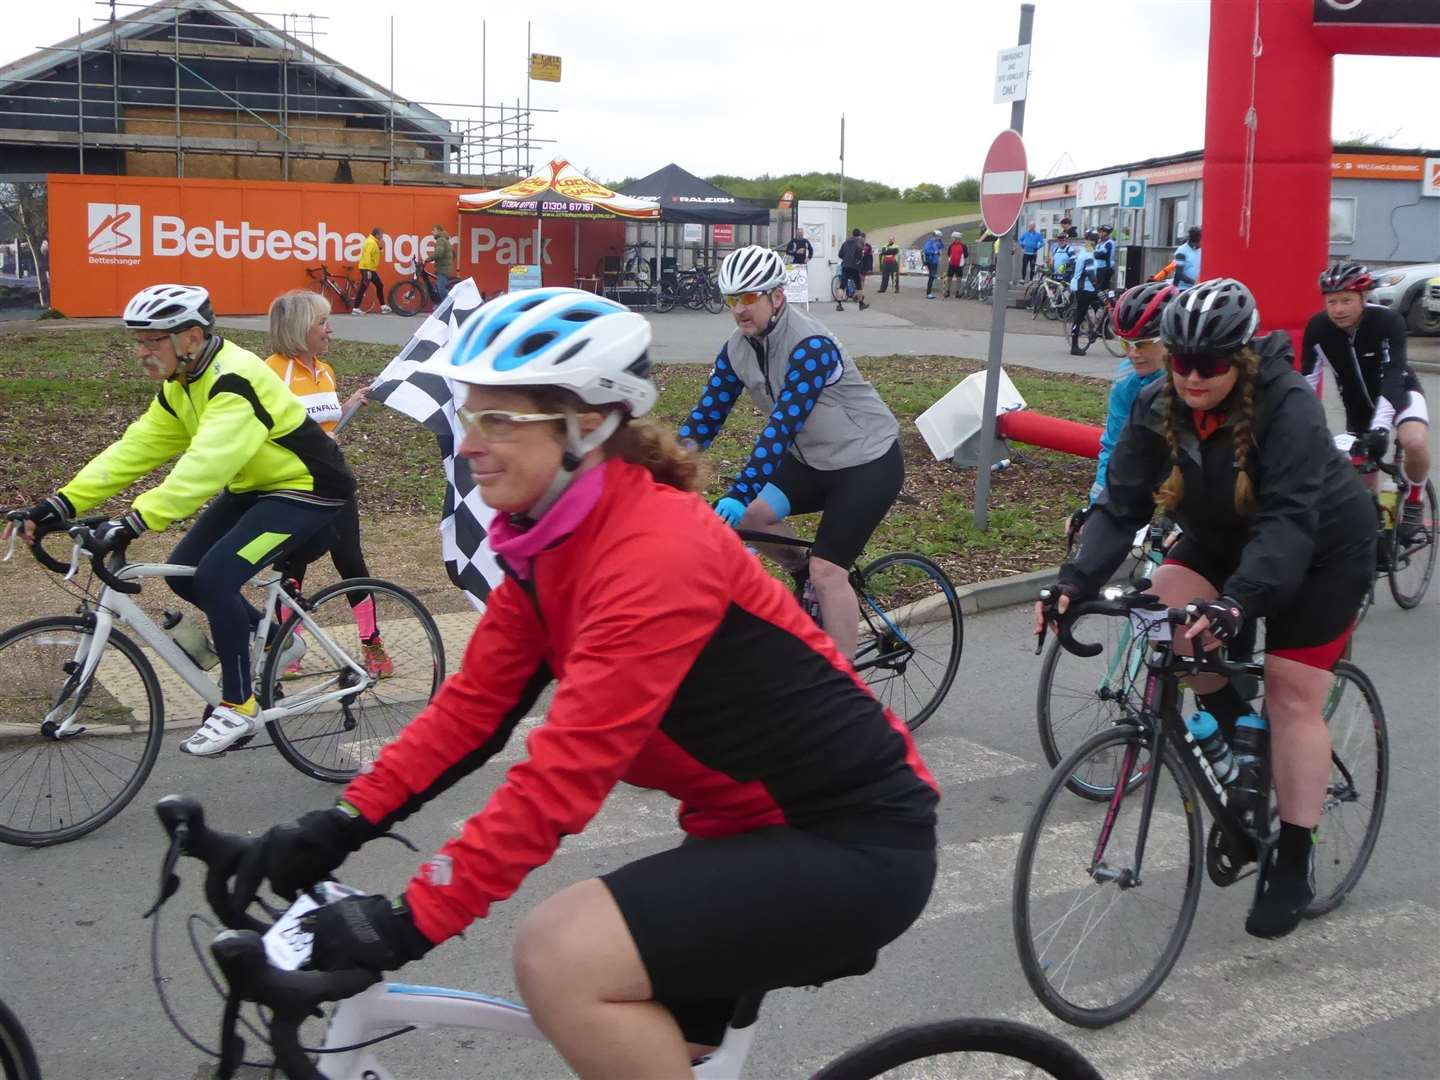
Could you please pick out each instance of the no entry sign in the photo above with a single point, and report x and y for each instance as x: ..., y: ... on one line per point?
x: 1003, y: 183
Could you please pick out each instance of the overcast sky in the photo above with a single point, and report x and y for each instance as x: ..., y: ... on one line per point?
x: 747, y: 88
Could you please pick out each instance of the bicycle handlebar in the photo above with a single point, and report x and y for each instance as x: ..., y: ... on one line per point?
x: 79, y: 531
x: 1203, y: 660
x: 240, y: 951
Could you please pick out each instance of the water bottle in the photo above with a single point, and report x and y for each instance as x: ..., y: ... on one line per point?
x: 1206, y: 732
x: 191, y: 639
x: 1252, y: 735
x: 1389, y: 492
x: 811, y: 602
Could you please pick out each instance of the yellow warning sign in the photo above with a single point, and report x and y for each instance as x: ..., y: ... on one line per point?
x: 544, y: 68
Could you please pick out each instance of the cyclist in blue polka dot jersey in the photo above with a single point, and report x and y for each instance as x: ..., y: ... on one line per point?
x: 829, y: 443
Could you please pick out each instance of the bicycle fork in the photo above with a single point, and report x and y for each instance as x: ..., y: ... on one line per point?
x: 59, y: 722
x: 1129, y: 877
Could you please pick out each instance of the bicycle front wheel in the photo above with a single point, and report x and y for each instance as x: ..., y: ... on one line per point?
x: 1096, y: 934
x: 837, y: 289
x: 975, y: 1048
x: 17, y: 1056
x: 1115, y: 346
x: 1355, y: 795
x: 665, y: 298
x: 1412, y: 562
x: 911, y: 634
x: 406, y: 298
x: 54, y: 788
x: 714, y: 302
x: 390, y: 635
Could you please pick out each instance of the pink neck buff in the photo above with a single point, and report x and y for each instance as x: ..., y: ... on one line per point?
x: 519, y: 546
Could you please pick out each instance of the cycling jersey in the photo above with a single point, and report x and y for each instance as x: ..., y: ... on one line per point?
x: 957, y: 254
x: 683, y: 667
x: 1083, y: 271
x: 820, y: 407
x: 1105, y: 254
x: 1128, y: 385
x: 316, y: 392
x: 1311, y: 504
x: 1371, y: 371
x: 236, y: 427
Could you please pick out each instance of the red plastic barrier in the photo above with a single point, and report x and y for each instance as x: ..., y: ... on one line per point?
x: 1037, y: 429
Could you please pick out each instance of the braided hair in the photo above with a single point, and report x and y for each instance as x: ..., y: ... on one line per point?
x: 1241, y: 403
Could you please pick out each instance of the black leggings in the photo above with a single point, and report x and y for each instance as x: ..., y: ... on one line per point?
x: 366, y: 277
x: 230, y: 542
x: 342, y: 540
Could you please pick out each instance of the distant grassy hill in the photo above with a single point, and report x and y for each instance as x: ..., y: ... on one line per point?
x: 874, y: 215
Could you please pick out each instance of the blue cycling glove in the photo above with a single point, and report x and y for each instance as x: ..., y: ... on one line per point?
x: 730, y: 510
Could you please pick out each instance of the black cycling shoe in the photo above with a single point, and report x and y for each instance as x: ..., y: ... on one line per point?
x: 1412, y: 524
x: 1284, y: 896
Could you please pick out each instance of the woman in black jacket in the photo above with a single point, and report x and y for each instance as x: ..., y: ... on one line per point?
x: 1234, y: 445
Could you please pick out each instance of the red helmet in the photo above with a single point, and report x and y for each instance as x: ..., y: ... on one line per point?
x: 1137, y: 312
x: 1346, y: 277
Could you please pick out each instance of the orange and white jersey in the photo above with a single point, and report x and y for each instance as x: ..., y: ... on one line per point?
x: 316, y: 392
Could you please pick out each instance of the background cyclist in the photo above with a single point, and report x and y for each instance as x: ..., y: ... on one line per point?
x: 829, y: 443
x: 1364, y: 344
x: 240, y: 434
x: 299, y: 337
x: 1082, y: 288
x: 681, y: 666
x: 1276, y: 525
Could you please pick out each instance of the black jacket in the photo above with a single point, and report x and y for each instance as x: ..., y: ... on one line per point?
x: 1312, y: 506
x: 1371, y: 371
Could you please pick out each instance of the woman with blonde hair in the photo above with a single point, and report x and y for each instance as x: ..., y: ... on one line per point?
x: 1233, y: 444
x: 299, y: 337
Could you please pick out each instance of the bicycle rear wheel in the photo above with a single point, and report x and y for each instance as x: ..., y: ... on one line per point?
x: 714, y: 302
x: 406, y: 297
x: 1095, y: 943
x: 837, y: 289
x: 984, y: 1049
x: 1359, y: 782
x: 911, y: 634
x: 57, y: 789
x: 665, y: 298
x: 17, y: 1056
x: 332, y: 740
x: 1412, y: 565
x: 1113, y: 345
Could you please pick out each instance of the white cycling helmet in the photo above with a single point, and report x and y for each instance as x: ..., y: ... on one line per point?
x: 169, y: 307
x: 751, y: 269
x: 555, y: 337
x: 935, y: 232
x: 954, y: 236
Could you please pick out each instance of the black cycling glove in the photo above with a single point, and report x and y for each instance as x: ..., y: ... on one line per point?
x: 114, y: 535
x: 56, y: 510
x: 1227, y: 617
x: 298, y: 856
x: 1050, y: 599
x: 363, y: 931
x: 1374, y: 443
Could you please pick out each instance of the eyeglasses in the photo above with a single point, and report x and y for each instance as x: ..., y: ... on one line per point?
x: 747, y: 298
x: 500, y: 425
x: 152, y: 340
x: 1139, y: 343
x: 1207, y: 367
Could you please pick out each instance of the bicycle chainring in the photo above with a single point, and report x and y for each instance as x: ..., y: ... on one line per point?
x: 1224, y: 865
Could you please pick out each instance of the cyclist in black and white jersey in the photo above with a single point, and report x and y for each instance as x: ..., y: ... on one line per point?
x: 829, y: 443
x: 1364, y: 345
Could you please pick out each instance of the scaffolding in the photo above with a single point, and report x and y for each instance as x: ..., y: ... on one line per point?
x: 206, y: 89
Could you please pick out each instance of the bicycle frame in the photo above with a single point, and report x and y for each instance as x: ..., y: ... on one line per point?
x: 387, y: 1006
x: 114, y: 606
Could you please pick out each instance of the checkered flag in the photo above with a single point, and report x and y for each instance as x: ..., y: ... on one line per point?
x: 429, y: 399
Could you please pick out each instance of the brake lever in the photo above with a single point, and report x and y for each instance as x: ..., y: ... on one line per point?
x: 169, y: 880
x: 14, y: 539
x: 75, y: 553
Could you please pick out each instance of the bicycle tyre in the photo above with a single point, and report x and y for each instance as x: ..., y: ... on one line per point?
x: 879, y: 633
x: 837, y: 289
x: 326, y: 290
x: 714, y: 302
x: 1004, y: 1038
x: 1333, y: 839
x: 406, y: 298
x: 100, y: 761
x: 1077, y: 831
x: 301, y: 736
x: 1115, y: 346
x: 665, y: 298
x: 17, y: 1055
x: 1408, y: 596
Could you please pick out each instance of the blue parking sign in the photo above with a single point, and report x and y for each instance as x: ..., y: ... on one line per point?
x: 1132, y: 193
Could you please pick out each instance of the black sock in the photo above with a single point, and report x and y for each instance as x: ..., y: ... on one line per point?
x: 1227, y: 706
x: 1292, y: 850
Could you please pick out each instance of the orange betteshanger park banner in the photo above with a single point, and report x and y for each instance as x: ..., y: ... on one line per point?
x: 245, y: 241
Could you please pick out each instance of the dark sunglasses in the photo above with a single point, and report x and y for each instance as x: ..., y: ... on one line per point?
x: 1206, y: 366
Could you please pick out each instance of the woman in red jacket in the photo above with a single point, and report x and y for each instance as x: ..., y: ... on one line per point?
x: 680, y: 665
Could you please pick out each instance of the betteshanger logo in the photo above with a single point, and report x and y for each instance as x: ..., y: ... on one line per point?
x: 114, y: 229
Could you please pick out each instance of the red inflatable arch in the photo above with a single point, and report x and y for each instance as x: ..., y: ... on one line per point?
x: 1267, y: 183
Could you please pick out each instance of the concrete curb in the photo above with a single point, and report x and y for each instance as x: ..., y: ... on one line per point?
x: 1004, y: 592
x: 1427, y: 366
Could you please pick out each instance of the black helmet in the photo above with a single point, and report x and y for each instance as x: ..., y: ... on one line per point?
x: 1217, y: 316
x: 1137, y: 314
x: 1193, y: 236
x: 1091, y: 234
x: 1346, y: 277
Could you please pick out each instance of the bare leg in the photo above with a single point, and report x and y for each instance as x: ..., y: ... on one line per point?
x: 580, y: 973
x: 1177, y: 586
x: 839, y: 607
x: 760, y: 516
x: 1413, y: 435
x: 1300, y: 743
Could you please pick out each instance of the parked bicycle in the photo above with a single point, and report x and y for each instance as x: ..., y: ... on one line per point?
x: 368, y: 1013
x: 912, y: 630
x: 1105, y: 890
x: 17, y: 1056
x: 340, y: 289
x: 82, y: 715
x: 1051, y: 298
x: 419, y: 292
x: 1406, y: 562
x: 694, y: 288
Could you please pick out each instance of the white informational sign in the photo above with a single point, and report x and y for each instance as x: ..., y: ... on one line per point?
x: 1012, y: 74
x: 693, y: 233
x: 1099, y: 190
x: 912, y: 260
x: 797, y: 284
x: 1430, y: 183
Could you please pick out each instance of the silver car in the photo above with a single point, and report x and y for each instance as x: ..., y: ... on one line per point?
x: 1404, y: 289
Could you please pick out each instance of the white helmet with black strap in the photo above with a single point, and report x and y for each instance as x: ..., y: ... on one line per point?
x: 751, y: 269
x: 172, y: 309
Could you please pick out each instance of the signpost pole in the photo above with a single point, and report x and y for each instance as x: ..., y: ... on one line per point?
x: 1001, y: 298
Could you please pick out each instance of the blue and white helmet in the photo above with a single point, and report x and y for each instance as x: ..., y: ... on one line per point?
x: 555, y: 337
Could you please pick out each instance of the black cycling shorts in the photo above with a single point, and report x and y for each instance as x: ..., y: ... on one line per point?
x: 854, y: 500
x: 1322, y: 611
x: 717, y: 919
x: 850, y: 273
x: 955, y: 271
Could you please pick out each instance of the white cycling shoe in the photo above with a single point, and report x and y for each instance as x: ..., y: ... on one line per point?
x: 223, y: 728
